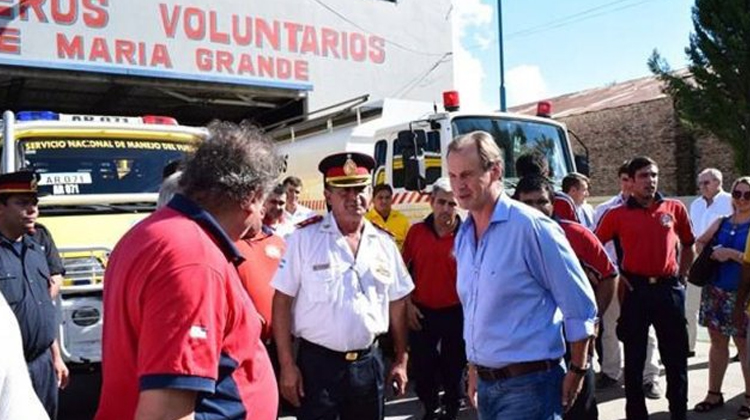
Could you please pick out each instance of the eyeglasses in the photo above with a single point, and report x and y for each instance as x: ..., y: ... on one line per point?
x: 702, y: 183
x: 533, y: 203
x: 737, y: 194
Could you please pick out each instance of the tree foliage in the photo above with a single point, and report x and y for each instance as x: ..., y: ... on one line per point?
x: 714, y: 94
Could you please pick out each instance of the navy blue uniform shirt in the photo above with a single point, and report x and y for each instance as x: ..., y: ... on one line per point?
x: 24, y: 281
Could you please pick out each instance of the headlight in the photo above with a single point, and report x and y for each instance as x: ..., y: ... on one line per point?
x: 85, y: 316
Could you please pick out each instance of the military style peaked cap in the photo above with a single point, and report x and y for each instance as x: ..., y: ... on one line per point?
x: 24, y: 182
x: 348, y: 169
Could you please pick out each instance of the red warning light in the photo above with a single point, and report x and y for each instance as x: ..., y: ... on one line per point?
x: 544, y: 109
x: 450, y: 100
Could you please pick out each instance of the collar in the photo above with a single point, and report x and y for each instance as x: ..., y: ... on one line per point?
x: 28, y: 242
x: 194, y: 212
x: 430, y: 222
x: 501, y: 213
x: 634, y: 204
x: 328, y: 225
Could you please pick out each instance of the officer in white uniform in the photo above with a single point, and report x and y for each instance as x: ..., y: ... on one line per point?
x: 340, y: 283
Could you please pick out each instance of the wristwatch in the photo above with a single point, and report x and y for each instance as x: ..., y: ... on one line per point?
x: 577, y: 369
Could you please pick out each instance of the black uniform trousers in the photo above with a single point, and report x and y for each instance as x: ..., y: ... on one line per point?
x: 337, y: 388
x: 661, y: 303
x: 438, y: 357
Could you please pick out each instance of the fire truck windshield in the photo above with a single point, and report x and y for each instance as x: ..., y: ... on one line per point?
x: 73, y: 166
x: 516, y: 137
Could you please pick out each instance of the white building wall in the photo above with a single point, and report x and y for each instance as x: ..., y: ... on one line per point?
x: 408, y: 43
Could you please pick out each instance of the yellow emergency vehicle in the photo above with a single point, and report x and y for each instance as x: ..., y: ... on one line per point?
x: 102, y: 175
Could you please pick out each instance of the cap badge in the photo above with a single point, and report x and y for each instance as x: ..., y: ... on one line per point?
x: 33, y: 184
x: 350, y: 167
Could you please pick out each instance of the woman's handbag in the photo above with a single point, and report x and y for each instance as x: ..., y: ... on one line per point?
x: 704, y: 268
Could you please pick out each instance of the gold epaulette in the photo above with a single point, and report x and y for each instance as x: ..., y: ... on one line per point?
x: 311, y: 221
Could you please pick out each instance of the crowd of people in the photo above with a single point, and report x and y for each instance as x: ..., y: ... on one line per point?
x: 234, y: 300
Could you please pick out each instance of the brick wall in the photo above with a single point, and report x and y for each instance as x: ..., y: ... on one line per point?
x: 648, y: 128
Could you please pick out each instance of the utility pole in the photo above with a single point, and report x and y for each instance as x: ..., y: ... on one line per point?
x: 503, y: 107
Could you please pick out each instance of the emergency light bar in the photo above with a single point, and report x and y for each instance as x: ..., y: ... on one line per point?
x: 54, y: 116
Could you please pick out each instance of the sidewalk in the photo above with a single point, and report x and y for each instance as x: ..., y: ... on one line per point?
x: 612, y: 401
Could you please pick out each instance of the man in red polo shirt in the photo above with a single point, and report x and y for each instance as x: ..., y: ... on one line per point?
x: 181, y: 336
x: 262, y: 250
x: 534, y: 163
x: 652, y: 232
x: 434, y: 311
x: 537, y: 192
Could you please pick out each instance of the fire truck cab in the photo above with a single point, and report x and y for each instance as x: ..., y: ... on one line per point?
x: 101, y: 175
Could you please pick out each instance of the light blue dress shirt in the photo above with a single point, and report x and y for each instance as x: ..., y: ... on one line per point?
x: 518, y: 286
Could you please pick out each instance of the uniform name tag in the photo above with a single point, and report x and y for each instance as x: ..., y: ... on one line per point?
x: 319, y: 267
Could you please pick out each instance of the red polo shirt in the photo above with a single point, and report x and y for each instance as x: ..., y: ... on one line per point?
x: 262, y: 256
x: 647, y: 238
x: 563, y: 207
x: 589, y: 250
x: 432, y: 265
x: 176, y: 317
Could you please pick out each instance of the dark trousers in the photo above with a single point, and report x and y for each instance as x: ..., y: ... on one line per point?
x: 584, y: 407
x: 44, y: 381
x: 438, y: 357
x: 339, y: 389
x: 662, y: 305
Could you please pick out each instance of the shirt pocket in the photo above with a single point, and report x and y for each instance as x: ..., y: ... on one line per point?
x: 11, y: 288
x: 320, y: 285
x: 379, y: 278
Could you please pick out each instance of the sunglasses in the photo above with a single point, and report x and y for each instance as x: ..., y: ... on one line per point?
x: 540, y: 202
x: 737, y: 194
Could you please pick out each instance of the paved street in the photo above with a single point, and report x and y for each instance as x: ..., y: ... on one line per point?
x: 77, y: 401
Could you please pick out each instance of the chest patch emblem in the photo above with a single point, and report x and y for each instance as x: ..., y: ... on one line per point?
x: 272, y: 251
x: 666, y: 220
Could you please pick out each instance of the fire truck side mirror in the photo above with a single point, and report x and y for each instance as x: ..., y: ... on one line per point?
x: 412, y: 143
x: 582, y: 164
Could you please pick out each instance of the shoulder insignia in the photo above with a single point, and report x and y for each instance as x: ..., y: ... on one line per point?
x: 384, y: 230
x: 311, y: 221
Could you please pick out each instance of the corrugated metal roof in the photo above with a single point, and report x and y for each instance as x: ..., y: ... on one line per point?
x: 612, y: 96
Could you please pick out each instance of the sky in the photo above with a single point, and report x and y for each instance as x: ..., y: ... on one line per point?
x: 554, y: 47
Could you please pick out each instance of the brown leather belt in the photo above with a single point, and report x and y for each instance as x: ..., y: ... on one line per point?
x: 516, y: 369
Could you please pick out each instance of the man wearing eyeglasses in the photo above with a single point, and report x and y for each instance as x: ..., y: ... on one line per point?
x: 712, y: 203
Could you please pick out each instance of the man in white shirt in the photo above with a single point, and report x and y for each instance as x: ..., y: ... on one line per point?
x: 275, y: 216
x: 577, y: 187
x: 17, y: 398
x: 713, y: 203
x: 611, y: 355
x: 293, y: 211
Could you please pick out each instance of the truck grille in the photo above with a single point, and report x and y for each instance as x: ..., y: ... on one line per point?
x: 84, y: 266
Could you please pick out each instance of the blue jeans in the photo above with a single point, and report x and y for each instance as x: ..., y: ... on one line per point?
x: 536, y: 396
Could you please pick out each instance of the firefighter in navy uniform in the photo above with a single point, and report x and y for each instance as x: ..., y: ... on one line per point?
x: 339, y: 285
x: 24, y: 282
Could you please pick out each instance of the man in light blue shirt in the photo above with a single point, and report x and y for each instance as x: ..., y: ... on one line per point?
x: 519, y: 282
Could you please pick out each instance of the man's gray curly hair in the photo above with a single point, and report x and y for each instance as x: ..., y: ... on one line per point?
x: 234, y: 163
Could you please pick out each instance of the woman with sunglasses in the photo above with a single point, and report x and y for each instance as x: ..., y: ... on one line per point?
x: 718, y: 298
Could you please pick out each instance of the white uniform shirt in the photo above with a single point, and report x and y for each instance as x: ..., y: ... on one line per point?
x: 702, y: 215
x: 613, y: 202
x: 301, y: 214
x: 17, y: 398
x: 341, y: 303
